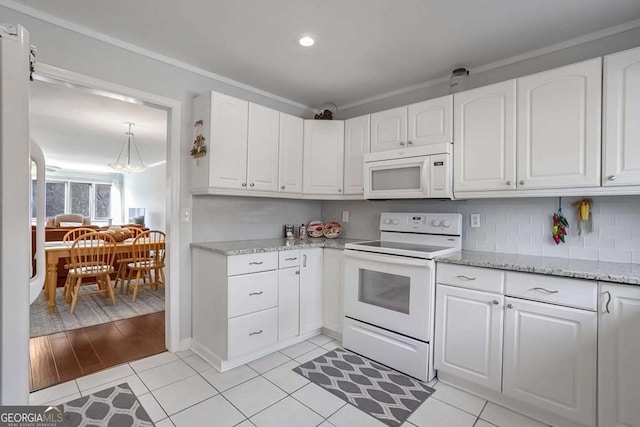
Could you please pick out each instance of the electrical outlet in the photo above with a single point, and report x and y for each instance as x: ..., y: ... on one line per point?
x: 345, y: 216
x: 475, y: 220
x: 185, y: 215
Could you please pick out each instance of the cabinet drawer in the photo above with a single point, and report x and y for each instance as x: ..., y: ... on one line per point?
x: 289, y: 258
x: 556, y: 290
x: 252, y: 332
x: 252, y: 263
x: 252, y: 292
x: 482, y: 279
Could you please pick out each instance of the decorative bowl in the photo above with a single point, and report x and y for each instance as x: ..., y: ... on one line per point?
x: 332, y: 229
x: 315, y: 229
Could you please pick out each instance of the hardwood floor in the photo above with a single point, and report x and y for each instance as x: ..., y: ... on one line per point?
x: 69, y: 355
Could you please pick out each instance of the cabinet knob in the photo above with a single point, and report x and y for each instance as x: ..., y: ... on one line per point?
x: 244, y: 184
x: 508, y: 182
x: 339, y: 190
x: 521, y: 182
x: 402, y: 143
x: 297, y: 271
x: 282, y: 187
x: 509, y: 305
x: 495, y: 302
x: 409, y: 142
x: 611, y: 177
x: 251, y: 185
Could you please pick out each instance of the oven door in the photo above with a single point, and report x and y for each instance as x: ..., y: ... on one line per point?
x: 389, y: 291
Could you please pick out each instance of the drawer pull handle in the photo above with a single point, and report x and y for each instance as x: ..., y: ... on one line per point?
x: 255, y: 333
x: 462, y: 276
x: 543, y: 290
x: 606, y: 307
x: 256, y: 293
x: 291, y: 259
x: 255, y: 263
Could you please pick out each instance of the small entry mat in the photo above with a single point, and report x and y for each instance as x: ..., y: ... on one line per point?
x: 112, y: 407
x: 381, y: 392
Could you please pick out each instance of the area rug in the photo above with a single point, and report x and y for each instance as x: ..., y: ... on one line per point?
x: 92, y: 310
x: 381, y: 392
x: 113, y: 407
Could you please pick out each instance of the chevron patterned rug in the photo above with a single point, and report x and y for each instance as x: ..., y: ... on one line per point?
x: 381, y: 392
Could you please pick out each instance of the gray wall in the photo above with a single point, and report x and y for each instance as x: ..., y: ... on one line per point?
x: 621, y: 41
x: 520, y: 226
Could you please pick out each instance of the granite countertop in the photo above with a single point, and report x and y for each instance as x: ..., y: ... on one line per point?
x: 616, y: 272
x: 241, y: 247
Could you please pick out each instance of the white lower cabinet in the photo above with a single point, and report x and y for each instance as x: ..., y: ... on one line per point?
x: 550, y: 358
x: 618, y: 356
x: 468, y: 338
x: 332, y: 291
x: 288, y: 303
x: 252, y: 332
x: 538, y: 357
x: 311, y: 265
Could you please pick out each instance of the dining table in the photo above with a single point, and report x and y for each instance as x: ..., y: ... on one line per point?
x: 54, y: 251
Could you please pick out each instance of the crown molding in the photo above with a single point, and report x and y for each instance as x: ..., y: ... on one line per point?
x: 34, y: 13
x: 503, y: 62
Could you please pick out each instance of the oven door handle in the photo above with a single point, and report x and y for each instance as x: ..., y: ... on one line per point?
x: 389, y: 259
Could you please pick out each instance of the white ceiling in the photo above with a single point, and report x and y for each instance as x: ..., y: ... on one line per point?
x: 78, y: 130
x: 363, y: 47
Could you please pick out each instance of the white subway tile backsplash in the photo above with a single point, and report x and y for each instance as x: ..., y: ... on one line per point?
x: 614, y: 255
x: 583, y: 253
x: 599, y: 242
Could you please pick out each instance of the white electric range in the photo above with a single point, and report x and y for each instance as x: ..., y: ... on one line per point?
x: 389, y: 289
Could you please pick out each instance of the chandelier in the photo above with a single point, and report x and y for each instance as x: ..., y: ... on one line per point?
x: 127, y: 164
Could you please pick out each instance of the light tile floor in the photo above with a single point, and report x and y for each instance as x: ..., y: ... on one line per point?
x: 181, y: 389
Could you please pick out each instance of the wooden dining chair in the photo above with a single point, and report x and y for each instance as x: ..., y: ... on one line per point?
x: 148, y: 261
x: 123, y: 259
x: 91, y: 256
x: 71, y: 236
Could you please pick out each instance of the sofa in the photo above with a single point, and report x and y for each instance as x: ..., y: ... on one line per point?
x: 55, y: 234
x: 68, y: 220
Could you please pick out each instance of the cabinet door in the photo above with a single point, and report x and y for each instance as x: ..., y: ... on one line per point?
x: 323, y: 156
x: 430, y: 122
x: 621, y: 123
x: 290, y: 154
x: 389, y: 129
x: 288, y: 303
x: 262, y: 157
x: 618, y: 350
x: 356, y: 144
x: 484, y: 140
x: 310, y: 290
x: 332, y: 297
x: 559, y: 114
x: 468, y: 335
x: 550, y: 358
x: 228, y: 145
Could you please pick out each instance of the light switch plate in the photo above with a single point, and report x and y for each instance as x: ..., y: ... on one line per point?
x: 345, y: 216
x: 185, y: 215
x: 475, y: 220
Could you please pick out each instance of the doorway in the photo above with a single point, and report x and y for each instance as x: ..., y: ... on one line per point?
x: 162, y: 326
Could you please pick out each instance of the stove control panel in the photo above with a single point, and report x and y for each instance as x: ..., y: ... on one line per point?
x: 427, y: 223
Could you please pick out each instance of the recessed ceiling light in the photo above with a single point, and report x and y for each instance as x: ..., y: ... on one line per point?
x: 306, y: 41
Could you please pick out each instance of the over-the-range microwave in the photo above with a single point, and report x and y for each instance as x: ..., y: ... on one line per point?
x: 411, y: 173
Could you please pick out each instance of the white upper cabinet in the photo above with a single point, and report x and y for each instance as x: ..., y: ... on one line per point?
x: 618, y: 350
x: 558, y: 120
x: 323, y: 157
x: 228, y: 142
x: 622, y: 118
x: 262, y: 157
x: 430, y: 122
x: 468, y: 335
x: 550, y: 358
x: 290, y: 163
x: 484, y: 148
x: 356, y: 144
x: 389, y: 129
